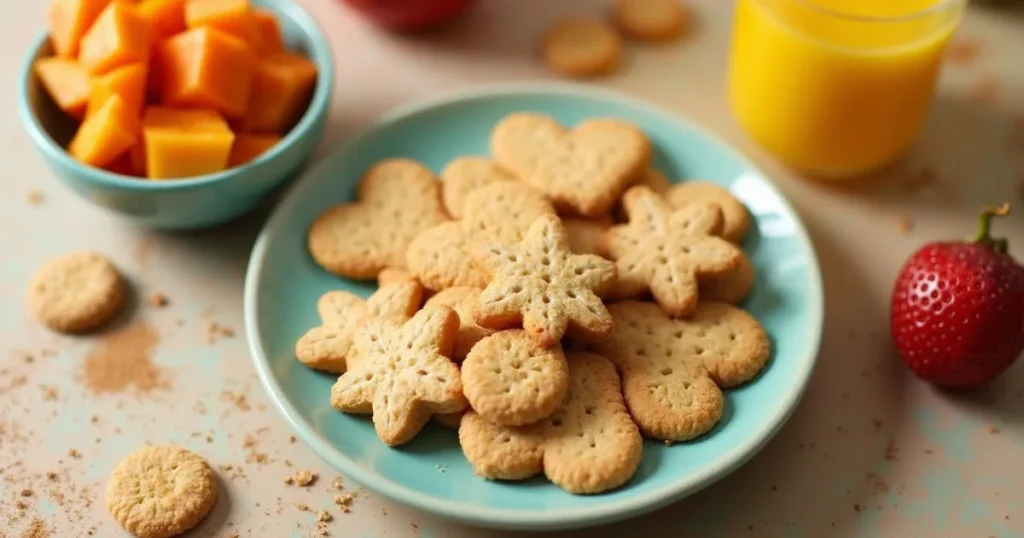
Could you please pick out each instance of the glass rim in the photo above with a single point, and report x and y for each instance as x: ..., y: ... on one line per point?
x: 938, y: 7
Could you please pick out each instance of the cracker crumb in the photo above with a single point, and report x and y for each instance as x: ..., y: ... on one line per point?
x: 74, y: 453
x: 904, y: 225
x: 29, y: 359
x: 158, y: 300
x: 94, y: 419
x: 668, y: 442
x: 35, y: 197
x: 344, y: 501
x: 303, y: 507
x: 50, y: 475
x: 291, y: 438
x: 337, y: 483
x: 289, y: 480
x: 305, y: 477
x: 215, y: 331
x: 324, y: 516
x: 49, y: 393
x: 26, y: 492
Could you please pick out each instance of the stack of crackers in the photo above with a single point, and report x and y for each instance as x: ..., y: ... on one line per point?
x: 556, y: 302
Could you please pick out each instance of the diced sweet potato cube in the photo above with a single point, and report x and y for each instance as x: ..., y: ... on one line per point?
x: 271, y: 41
x: 281, y: 89
x: 68, y: 20
x: 129, y: 82
x: 119, y: 37
x: 166, y: 17
x: 185, y: 143
x: 205, y: 68
x: 66, y: 82
x: 107, y: 134
x: 249, y: 146
x: 230, y: 16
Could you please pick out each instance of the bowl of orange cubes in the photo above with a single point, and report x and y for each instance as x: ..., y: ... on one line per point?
x: 178, y: 114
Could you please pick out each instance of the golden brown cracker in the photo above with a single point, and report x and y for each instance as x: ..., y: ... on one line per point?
x: 511, y: 380
x: 672, y: 368
x: 461, y: 300
x: 666, y: 252
x: 735, y: 217
x: 732, y: 287
x: 404, y: 374
x: 590, y: 445
x: 397, y: 199
x: 161, y: 491
x: 76, y: 292
x: 583, y: 170
x: 651, y: 20
x: 539, y: 285
x: 584, y: 235
x: 582, y: 47
x: 463, y: 175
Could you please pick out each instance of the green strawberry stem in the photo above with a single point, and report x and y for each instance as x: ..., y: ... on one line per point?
x: 985, y: 225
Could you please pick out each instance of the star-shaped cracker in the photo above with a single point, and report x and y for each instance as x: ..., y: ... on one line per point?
x: 329, y: 347
x: 540, y: 285
x: 442, y: 257
x: 404, y: 375
x: 588, y: 446
x: 666, y: 251
x: 583, y: 170
x: 672, y: 368
x: 397, y: 199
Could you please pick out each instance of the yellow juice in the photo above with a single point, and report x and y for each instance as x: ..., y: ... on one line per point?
x: 837, y: 87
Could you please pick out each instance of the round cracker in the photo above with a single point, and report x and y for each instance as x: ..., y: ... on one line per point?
x: 76, y: 292
x: 582, y: 47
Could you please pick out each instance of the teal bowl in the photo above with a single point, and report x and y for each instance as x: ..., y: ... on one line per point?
x: 431, y: 473
x: 196, y: 202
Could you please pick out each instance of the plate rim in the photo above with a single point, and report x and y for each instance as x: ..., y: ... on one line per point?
x: 561, y: 518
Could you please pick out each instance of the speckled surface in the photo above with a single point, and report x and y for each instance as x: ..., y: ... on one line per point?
x: 870, y: 452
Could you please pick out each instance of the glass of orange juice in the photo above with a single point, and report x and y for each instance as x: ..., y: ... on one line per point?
x: 837, y: 88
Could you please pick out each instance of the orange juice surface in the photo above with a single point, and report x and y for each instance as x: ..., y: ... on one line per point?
x: 837, y: 87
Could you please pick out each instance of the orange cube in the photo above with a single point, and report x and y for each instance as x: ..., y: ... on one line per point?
x: 129, y: 82
x: 166, y: 17
x: 281, y: 89
x: 185, y: 143
x: 206, y: 68
x: 271, y: 41
x: 249, y: 146
x: 68, y: 20
x: 230, y: 16
x: 107, y: 134
x: 66, y: 82
x: 119, y: 37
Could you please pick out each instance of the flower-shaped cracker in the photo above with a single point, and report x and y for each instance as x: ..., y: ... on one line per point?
x: 328, y: 347
x: 540, y: 285
x: 404, y: 374
x: 666, y: 251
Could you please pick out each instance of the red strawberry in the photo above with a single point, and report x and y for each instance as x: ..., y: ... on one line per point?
x: 957, y: 316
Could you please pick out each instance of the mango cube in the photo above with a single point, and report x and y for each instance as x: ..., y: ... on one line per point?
x: 66, y: 82
x: 281, y: 88
x: 206, y: 68
x: 106, y: 134
x: 249, y: 146
x: 185, y: 142
x: 119, y: 36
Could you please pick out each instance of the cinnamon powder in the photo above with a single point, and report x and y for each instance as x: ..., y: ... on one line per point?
x: 123, y: 359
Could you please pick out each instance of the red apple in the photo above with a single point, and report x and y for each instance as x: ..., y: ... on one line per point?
x: 408, y: 15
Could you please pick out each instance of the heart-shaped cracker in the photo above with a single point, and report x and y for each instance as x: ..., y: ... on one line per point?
x: 588, y: 446
x: 583, y: 170
x: 672, y: 368
x: 398, y: 198
x: 462, y: 176
x: 667, y: 251
x: 404, y: 375
x: 441, y: 257
x: 329, y: 347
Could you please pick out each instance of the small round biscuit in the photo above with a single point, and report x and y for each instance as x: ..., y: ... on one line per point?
x: 76, y: 292
x: 161, y: 491
x: 511, y: 380
x: 582, y: 47
x: 732, y: 287
x: 651, y: 20
x: 736, y: 218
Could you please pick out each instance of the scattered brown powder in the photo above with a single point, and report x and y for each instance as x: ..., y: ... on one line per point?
x: 857, y: 508
x: 216, y: 331
x: 35, y: 197
x: 50, y: 475
x: 49, y: 393
x: 37, y: 529
x: 74, y: 454
x: 158, y: 300
x: 303, y: 507
x: 123, y: 359
x: 291, y: 438
x: 27, y: 492
x: 240, y: 400
x: 337, y: 483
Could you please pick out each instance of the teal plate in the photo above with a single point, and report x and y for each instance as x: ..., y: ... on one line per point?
x: 430, y: 473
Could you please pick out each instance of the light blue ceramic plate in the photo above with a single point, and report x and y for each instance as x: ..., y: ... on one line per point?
x: 430, y: 473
